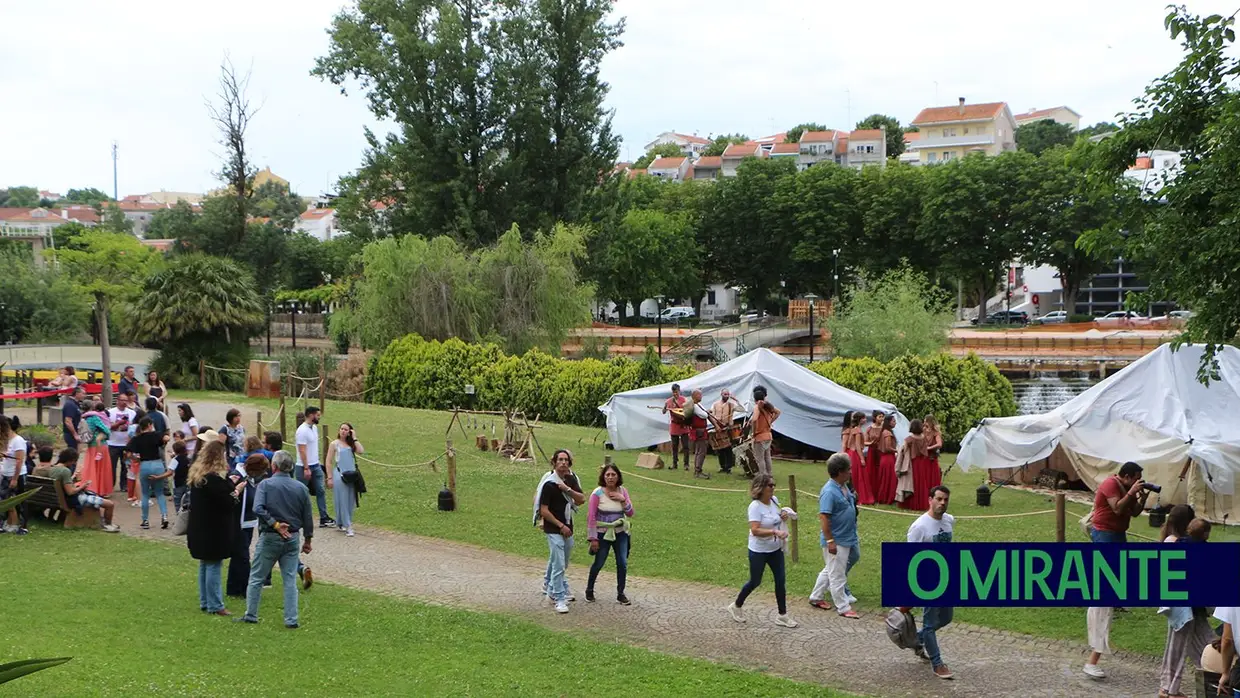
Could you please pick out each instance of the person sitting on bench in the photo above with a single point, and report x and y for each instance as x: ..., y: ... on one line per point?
x: 77, y: 493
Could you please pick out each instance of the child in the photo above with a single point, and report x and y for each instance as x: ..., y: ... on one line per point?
x: 180, y: 469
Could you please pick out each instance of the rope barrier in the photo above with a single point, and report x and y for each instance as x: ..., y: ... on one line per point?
x: 430, y: 462
x: 339, y: 395
x: 229, y: 370
x: 275, y: 419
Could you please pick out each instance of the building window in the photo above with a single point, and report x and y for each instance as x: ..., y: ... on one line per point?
x: 710, y: 297
x: 949, y: 132
x: 947, y: 155
x: 932, y: 157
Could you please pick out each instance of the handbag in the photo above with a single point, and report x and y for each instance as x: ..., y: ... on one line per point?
x: 350, y: 477
x: 180, y: 527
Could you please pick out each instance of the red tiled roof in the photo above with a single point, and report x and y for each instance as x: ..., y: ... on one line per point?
x: 741, y: 150
x: 708, y: 162
x: 970, y: 112
x: 867, y: 134
x: 1040, y: 113
x: 776, y: 139
x: 841, y: 145
x: 82, y: 214
x: 786, y: 149
x: 129, y: 205
x: 23, y: 215
x: 911, y: 136
x: 314, y: 214
x: 694, y: 139
x: 818, y: 136
x: 633, y: 173
x: 666, y: 164
x: 689, y: 172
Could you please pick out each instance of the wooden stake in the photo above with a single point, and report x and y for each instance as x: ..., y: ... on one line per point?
x: 322, y: 442
x: 283, y: 420
x: 202, y: 374
x: 1061, y: 531
x: 792, y: 523
x: 258, y: 425
x: 322, y: 381
x: 452, y: 470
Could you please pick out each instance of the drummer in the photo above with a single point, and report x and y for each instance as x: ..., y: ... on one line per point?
x: 723, y: 413
x: 697, y: 433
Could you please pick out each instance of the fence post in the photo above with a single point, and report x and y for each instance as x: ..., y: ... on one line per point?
x: 283, y: 420
x: 322, y: 443
x: 258, y: 425
x: 1060, y: 518
x: 451, y: 470
x: 202, y: 374
x: 792, y: 523
x: 322, y: 381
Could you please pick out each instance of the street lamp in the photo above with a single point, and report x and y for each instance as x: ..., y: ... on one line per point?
x: 836, y: 273
x: 658, y: 317
x: 812, y: 339
x: 268, y: 327
x: 292, y: 318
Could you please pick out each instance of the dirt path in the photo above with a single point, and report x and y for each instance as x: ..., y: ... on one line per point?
x: 688, y: 619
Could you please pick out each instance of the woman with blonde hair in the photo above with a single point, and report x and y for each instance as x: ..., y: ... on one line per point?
x: 766, y: 548
x: 213, y: 497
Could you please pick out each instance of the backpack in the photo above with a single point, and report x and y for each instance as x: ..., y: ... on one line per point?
x: 902, y: 629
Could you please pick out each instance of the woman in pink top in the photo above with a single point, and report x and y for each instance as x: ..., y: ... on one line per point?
x: 608, y: 523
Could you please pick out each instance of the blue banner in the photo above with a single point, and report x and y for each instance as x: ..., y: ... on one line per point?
x: 1061, y: 574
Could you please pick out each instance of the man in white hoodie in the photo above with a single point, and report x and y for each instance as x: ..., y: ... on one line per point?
x: 559, y: 496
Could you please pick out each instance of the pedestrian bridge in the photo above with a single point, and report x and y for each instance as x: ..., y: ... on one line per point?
x: 730, y: 341
x: 79, y: 356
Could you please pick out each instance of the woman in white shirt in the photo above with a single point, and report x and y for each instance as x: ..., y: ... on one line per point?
x: 766, y: 548
x: 12, y: 470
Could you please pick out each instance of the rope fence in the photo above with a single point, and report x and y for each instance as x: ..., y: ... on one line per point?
x: 227, y: 370
x: 430, y: 462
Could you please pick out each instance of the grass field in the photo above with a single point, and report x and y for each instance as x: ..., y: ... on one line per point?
x: 679, y: 533
x: 126, y: 611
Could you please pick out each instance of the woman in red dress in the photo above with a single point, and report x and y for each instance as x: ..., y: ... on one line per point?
x: 885, y: 478
x: 869, y: 441
x: 925, y: 469
x: 863, y: 474
x: 934, y: 443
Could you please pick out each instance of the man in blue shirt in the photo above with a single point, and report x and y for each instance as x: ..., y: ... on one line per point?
x: 72, y: 413
x: 282, y: 505
x: 837, y: 513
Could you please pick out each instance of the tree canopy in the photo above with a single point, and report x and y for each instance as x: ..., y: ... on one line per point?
x: 720, y: 143
x: 662, y: 150
x: 1039, y: 136
x: 896, y: 314
x: 793, y: 135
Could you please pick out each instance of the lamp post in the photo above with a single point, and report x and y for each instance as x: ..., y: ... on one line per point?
x: 812, y: 339
x: 268, y: 327
x: 836, y: 274
x: 658, y: 318
x: 292, y: 318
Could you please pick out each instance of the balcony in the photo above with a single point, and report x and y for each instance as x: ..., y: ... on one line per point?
x: 981, y: 140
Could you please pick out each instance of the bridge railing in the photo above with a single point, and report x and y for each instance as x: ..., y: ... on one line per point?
x: 770, y: 329
x: 708, y: 340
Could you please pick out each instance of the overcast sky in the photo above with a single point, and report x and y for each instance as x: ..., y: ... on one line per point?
x: 76, y: 75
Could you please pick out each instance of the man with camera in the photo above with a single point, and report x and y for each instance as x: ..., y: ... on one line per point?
x: 1118, y: 498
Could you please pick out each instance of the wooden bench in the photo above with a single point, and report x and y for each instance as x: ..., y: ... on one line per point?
x: 51, y: 496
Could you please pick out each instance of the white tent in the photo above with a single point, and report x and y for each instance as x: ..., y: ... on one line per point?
x: 812, y: 407
x: 1154, y: 412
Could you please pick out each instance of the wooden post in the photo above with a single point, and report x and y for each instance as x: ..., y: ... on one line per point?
x: 452, y: 470
x: 38, y: 410
x: 792, y: 523
x: 258, y: 425
x: 283, y: 420
x: 1061, y: 531
x: 323, y: 443
x: 606, y: 461
x: 322, y: 381
x: 202, y: 374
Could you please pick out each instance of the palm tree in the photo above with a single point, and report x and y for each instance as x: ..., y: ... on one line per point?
x: 195, y: 295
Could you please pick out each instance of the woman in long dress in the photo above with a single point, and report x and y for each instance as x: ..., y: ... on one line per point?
x: 341, y: 460
x: 934, y: 441
x: 97, y: 465
x: 869, y: 441
x: 863, y: 474
x: 885, y: 478
x: 925, y: 469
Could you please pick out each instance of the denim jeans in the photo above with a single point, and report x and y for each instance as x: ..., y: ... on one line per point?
x: 1107, y: 536
x: 621, y: 546
x: 758, y: 562
x: 178, y: 493
x: 932, y: 620
x: 152, y: 488
x: 316, y: 486
x: 557, y: 564
x: 119, y: 469
x: 854, y: 556
x: 210, y: 585
x: 271, y: 549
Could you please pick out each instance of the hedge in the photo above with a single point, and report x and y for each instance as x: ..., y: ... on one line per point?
x: 413, y: 372
x: 959, y: 392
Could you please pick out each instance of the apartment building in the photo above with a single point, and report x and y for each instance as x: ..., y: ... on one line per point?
x: 1060, y: 115
x: 691, y: 146
x: 949, y: 133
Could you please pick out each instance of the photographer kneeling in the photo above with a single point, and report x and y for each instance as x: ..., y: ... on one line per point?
x: 1117, y: 499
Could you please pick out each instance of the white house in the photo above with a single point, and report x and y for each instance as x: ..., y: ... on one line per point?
x: 867, y: 147
x: 319, y: 223
x: 736, y: 153
x: 720, y: 301
x: 691, y: 146
x: 671, y: 169
x: 816, y: 147
x: 1060, y: 115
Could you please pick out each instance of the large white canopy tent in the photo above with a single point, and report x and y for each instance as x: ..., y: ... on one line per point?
x: 812, y: 407
x: 1153, y: 412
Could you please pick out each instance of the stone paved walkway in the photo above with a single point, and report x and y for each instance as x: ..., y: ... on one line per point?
x: 688, y: 619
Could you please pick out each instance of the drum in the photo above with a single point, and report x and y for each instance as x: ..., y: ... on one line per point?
x: 720, y: 439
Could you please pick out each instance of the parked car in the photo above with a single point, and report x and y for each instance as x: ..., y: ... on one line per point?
x: 1006, y: 317
x: 1180, y: 314
x: 1053, y: 317
x: 683, y: 312
x: 1122, y: 315
x: 753, y: 316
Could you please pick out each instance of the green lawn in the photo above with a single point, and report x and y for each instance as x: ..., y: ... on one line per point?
x: 680, y: 533
x: 126, y: 611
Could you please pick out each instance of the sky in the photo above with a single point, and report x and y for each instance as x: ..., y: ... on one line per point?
x: 78, y: 75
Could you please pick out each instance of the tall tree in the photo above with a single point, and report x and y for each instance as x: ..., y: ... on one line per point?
x: 41, y: 305
x: 277, y: 202
x: 1188, y: 247
x: 662, y: 150
x: 172, y: 223
x: 890, y: 203
x: 793, y: 135
x: 825, y: 218
x: 1039, y: 136
x: 89, y: 196
x: 895, y: 134
x: 19, y: 197
x: 114, y: 220
x: 1099, y: 128
x: 721, y: 143
x: 232, y: 114
x: 648, y: 253
x: 109, y: 267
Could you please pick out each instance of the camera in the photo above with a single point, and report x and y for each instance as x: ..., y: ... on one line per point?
x: 1151, y: 487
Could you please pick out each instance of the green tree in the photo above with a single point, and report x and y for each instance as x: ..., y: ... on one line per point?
x: 277, y: 202
x: 650, y: 252
x: 662, y: 150
x: 108, y: 266
x: 896, y: 314
x: 1188, y: 247
x: 823, y: 205
x: 89, y: 196
x: 41, y: 305
x: 19, y: 197
x: 1039, y: 136
x: 66, y: 234
x: 721, y: 143
x: 890, y: 202
x: 895, y: 134
x: 793, y: 135
x: 1098, y: 129
x: 114, y: 220
x: 176, y: 223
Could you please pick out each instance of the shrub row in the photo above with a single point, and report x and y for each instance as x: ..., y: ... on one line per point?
x: 957, y: 391
x: 413, y: 372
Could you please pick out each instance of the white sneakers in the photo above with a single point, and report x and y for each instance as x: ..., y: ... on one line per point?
x: 561, y: 607
x: 1093, y: 672
x: 111, y: 528
x: 349, y: 533
x: 784, y: 620
x: 737, y: 614
x: 852, y: 599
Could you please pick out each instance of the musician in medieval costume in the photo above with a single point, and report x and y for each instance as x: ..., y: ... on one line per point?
x: 722, y: 414
x: 699, y: 418
x: 678, y: 428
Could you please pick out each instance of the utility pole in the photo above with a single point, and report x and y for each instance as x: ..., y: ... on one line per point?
x: 115, y: 189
